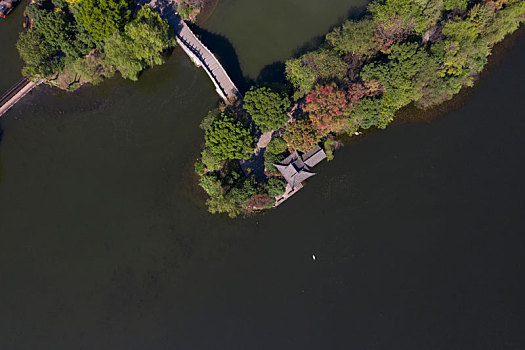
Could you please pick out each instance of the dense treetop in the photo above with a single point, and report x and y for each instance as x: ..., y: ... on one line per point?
x: 92, y: 38
x: 401, y: 52
x: 267, y: 108
x: 102, y: 18
x: 140, y: 44
x: 229, y: 139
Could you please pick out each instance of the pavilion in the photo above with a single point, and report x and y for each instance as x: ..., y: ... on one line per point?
x: 297, y: 166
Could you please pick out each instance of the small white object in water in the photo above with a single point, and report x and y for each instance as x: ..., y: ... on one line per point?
x: 313, y: 256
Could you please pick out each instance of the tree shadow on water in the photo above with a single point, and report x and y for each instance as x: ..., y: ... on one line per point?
x: 273, y: 75
x: 225, y: 53
x: 355, y: 13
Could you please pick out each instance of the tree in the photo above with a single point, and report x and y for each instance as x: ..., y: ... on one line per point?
x: 140, y: 45
x: 398, y: 76
x: 218, y: 202
x: 355, y: 37
x: 102, y: 18
x: 211, y: 185
x: 244, y: 192
x: 229, y: 139
x: 455, y: 4
x: 58, y: 28
x: 91, y: 69
x: 406, y: 15
x: 505, y: 21
x: 269, y: 160
x: 274, y: 153
x: 267, y: 108
x: 327, y: 107
x: 301, y: 135
x: 319, y: 66
x: 120, y: 52
x: 276, y: 146
x: 275, y: 187
x: 40, y: 58
x: 367, y: 114
x: 210, y: 161
x: 224, y: 204
x: 209, y: 119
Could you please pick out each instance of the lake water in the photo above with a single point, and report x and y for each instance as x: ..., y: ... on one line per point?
x: 10, y: 64
x: 106, y: 243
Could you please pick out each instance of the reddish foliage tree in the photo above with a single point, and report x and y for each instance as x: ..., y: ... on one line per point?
x: 326, y: 107
x: 301, y: 135
x: 329, y: 107
x: 356, y: 92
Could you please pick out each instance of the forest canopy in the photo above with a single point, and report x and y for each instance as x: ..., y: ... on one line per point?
x: 85, y: 40
x: 400, y: 52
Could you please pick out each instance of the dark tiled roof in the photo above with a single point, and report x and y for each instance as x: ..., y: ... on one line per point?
x: 296, y: 168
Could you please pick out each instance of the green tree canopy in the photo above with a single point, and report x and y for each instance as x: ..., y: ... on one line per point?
x: 267, y: 108
x: 355, y: 37
x: 398, y: 76
x: 276, y: 146
x: 246, y: 191
x: 40, y: 58
x: 102, y: 18
x: 140, y: 45
x: 314, y: 67
x: 229, y: 139
x: 409, y: 15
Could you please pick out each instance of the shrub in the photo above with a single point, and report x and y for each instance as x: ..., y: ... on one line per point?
x: 329, y: 146
x: 276, y: 146
x: 275, y: 187
x: 199, y: 167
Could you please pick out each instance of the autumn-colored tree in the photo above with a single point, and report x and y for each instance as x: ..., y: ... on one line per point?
x: 356, y: 92
x: 387, y: 35
x: 301, y: 135
x: 327, y: 107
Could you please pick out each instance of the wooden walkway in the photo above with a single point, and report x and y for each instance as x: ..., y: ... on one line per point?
x: 13, y: 95
x: 202, y: 57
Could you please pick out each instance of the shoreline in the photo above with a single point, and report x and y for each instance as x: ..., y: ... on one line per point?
x: 206, y: 11
x: 412, y: 114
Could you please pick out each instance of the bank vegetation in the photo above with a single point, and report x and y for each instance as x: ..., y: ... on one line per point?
x: 401, y: 52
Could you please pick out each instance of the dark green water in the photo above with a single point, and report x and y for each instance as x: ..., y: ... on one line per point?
x: 10, y: 63
x: 106, y: 244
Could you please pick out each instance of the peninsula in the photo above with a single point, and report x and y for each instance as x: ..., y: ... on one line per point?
x: 401, y: 52
x: 260, y: 147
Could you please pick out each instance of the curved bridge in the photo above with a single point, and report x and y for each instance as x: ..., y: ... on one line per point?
x: 202, y: 57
